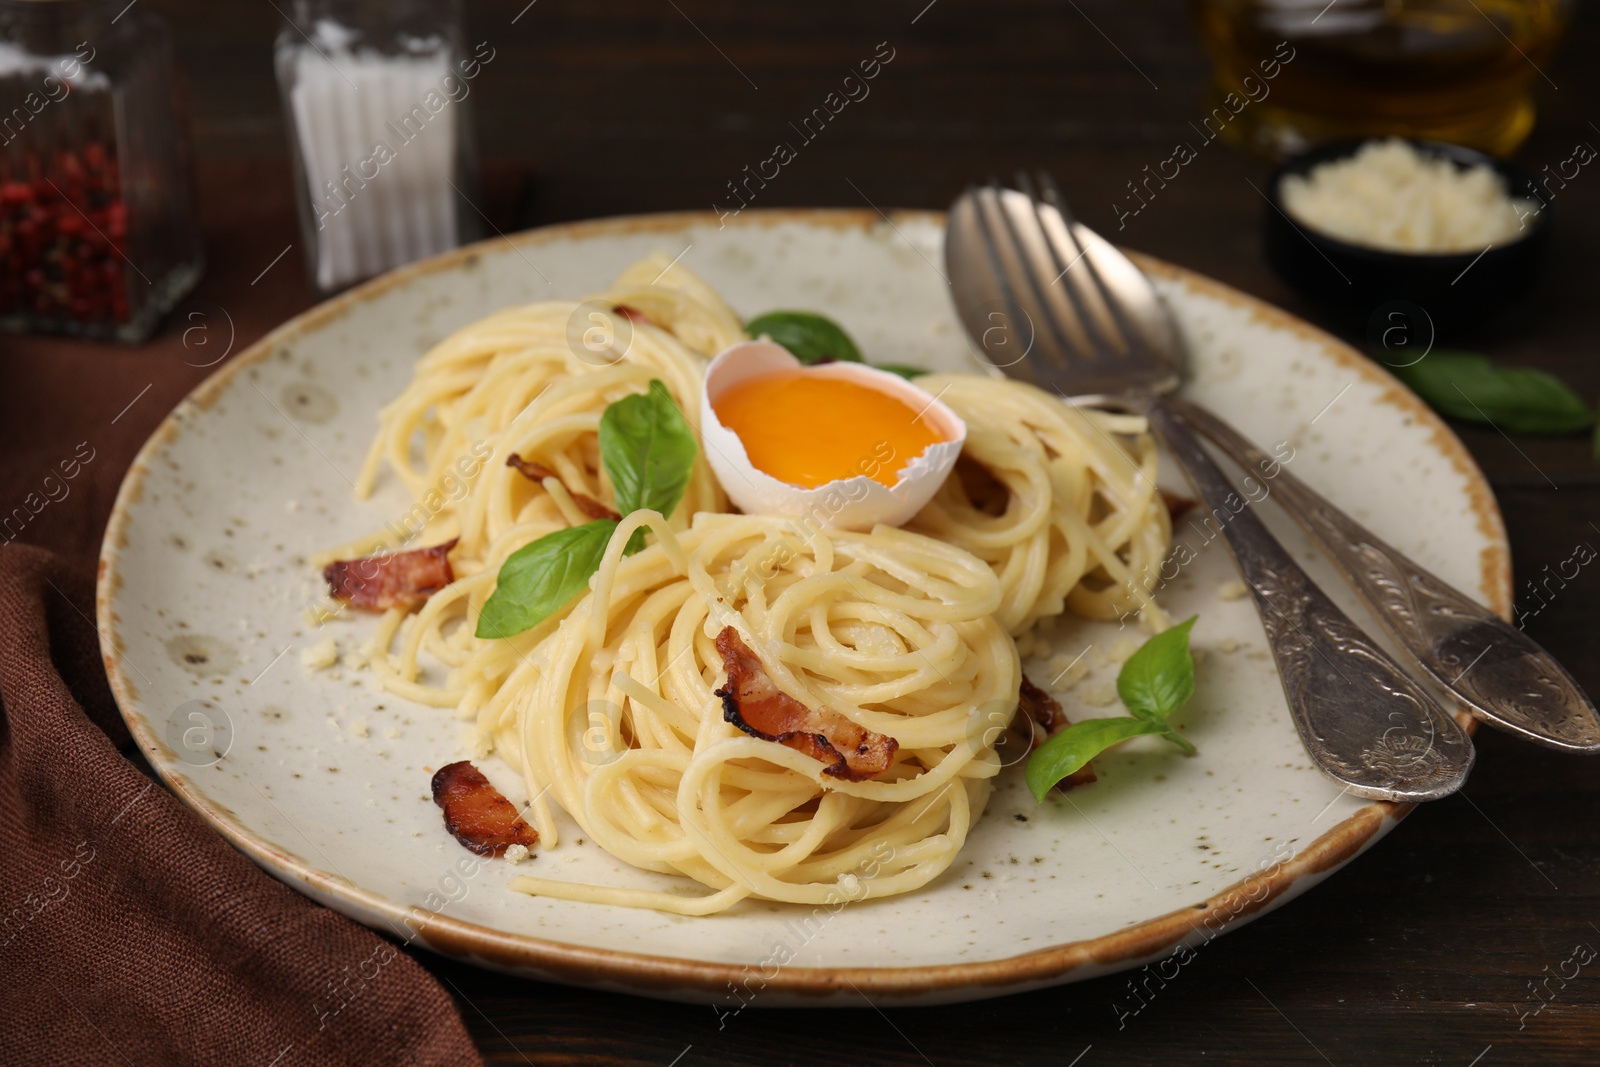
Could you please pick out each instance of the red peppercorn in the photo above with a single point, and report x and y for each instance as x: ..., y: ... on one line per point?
x: 61, y: 228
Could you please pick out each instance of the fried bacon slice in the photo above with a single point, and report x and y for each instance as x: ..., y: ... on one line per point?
x: 1039, y: 715
x: 531, y: 469
x: 391, y: 579
x: 535, y: 471
x: 633, y: 314
x: 476, y: 814
x: 755, y: 705
x: 1177, y: 506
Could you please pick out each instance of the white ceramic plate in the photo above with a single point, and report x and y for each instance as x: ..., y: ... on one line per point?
x: 324, y: 781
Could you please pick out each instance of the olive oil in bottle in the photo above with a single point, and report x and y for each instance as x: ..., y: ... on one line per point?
x: 1462, y: 71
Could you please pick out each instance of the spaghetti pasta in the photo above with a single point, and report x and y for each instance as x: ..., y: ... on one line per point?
x: 1080, y: 521
x: 609, y: 708
x: 616, y: 719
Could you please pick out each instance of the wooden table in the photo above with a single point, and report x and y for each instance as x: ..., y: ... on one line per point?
x: 1424, y: 951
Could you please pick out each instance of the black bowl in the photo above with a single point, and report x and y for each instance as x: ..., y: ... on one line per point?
x: 1356, y: 283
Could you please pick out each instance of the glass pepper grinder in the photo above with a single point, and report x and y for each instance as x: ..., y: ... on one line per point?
x: 374, y: 93
x: 99, y: 235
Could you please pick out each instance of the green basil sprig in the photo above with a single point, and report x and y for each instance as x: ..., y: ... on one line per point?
x: 648, y: 450
x: 813, y: 338
x: 1156, y: 681
x: 905, y: 370
x: 1467, y: 386
x: 810, y: 337
x: 538, y: 579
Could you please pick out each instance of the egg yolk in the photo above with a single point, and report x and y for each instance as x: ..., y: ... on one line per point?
x: 809, y: 429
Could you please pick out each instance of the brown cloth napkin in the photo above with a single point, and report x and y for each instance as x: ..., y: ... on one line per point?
x: 130, y: 932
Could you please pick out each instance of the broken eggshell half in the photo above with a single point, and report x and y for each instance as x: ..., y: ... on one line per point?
x: 855, y: 503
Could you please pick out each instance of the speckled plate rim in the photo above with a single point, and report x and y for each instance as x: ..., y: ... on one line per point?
x: 674, y: 977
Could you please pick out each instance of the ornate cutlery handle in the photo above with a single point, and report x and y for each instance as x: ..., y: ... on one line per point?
x: 1365, y: 722
x: 1497, y: 672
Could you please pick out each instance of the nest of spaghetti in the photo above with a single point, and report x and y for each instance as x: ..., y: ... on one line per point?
x: 762, y: 704
x: 649, y: 718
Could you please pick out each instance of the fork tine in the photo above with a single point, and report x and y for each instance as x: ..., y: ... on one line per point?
x: 1081, y: 313
x: 1135, y: 338
x: 1035, y: 255
x: 985, y: 206
x: 1023, y: 289
x: 1091, y: 301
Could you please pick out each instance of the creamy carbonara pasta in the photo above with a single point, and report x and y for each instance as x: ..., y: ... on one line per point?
x: 668, y: 708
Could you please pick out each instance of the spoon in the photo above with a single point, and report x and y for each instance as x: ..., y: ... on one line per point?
x: 1096, y: 331
x: 1496, y: 671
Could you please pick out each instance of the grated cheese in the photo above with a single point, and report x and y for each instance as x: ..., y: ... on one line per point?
x: 319, y: 656
x: 1391, y: 196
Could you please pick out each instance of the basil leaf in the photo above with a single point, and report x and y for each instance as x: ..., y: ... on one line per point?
x: 1159, y: 678
x: 1182, y: 742
x: 810, y: 337
x: 648, y: 449
x: 1156, y: 681
x: 543, y: 576
x: 1467, y: 386
x: 905, y: 370
x: 1076, y: 745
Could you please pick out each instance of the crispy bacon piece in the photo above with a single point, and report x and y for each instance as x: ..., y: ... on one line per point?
x: 530, y: 469
x: 475, y: 812
x: 535, y: 471
x: 752, y: 703
x: 1177, y: 506
x: 1039, y: 715
x: 633, y: 314
x: 391, y: 579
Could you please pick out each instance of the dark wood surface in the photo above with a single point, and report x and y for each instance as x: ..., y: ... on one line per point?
x: 1425, y: 951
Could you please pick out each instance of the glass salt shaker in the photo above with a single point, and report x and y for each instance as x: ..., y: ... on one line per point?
x: 374, y: 93
x: 99, y: 235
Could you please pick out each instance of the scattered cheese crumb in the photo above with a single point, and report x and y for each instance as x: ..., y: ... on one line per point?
x: 320, y: 656
x: 1066, y: 671
x: 1234, y: 590
x: 516, y: 853
x: 1125, y: 647
x: 477, y: 744
x: 319, y: 612
x: 358, y: 728
x: 1100, y: 696
x: 1227, y: 644
x: 355, y: 659
x: 392, y: 733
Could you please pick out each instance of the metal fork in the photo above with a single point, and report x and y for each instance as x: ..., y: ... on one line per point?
x: 1494, y: 670
x: 1019, y: 267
